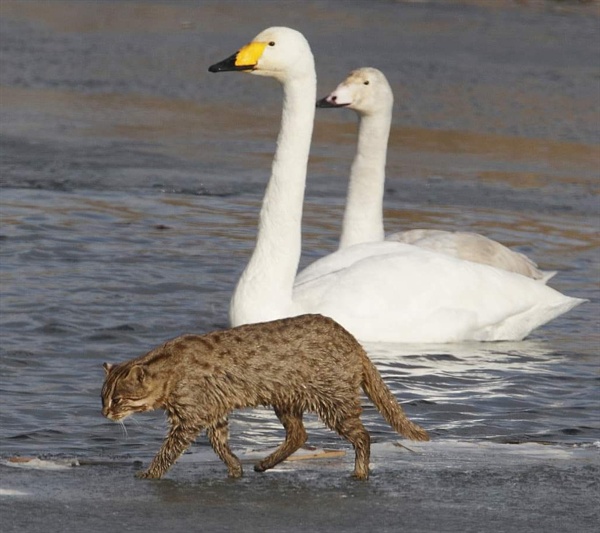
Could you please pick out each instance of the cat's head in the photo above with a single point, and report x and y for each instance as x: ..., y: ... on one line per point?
x: 128, y: 388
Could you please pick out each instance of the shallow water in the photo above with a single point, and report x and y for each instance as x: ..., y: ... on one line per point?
x: 131, y: 182
x: 90, y: 276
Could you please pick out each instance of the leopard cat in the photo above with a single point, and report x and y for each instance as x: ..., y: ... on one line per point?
x: 305, y: 363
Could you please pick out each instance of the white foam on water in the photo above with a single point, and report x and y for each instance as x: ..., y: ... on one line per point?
x: 43, y: 464
x: 12, y: 492
x: 482, y: 450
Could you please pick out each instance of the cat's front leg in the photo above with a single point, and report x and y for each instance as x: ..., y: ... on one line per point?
x: 177, y: 441
x: 218, y: 434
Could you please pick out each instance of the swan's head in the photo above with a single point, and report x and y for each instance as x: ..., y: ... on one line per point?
x: 365, y: 90
x: 278, y: 52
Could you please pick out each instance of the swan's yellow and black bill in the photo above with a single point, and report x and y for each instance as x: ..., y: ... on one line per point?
x: 245, y: 59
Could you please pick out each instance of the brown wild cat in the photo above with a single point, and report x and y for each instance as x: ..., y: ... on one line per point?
x: 305, y: 363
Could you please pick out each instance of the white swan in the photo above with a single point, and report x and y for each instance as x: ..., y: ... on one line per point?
x: 367, y: 92
x: 385, y: 291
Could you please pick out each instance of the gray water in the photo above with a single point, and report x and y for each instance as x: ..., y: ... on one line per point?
x: 131, y: 180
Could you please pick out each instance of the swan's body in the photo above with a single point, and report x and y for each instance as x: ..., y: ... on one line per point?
x: 422, y: 296
x: 367, y: 92
x: 386, y: 291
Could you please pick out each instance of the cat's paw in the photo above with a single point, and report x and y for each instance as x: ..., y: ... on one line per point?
x: 260, y: 467
x: 360, y: 476
x: 235, y: 472
x: 147, y: 474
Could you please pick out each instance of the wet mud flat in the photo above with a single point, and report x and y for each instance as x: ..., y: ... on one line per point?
x: 449, y: 487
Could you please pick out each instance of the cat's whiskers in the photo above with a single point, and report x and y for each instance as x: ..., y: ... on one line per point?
x: 124, y: 428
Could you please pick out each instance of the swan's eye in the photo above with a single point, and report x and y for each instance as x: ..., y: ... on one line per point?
x: 272, y: 43
x: 366, y: 82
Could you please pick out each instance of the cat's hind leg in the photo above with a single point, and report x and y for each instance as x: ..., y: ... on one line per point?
x: 295, y: 436
x: 218, y: 435
x: 345, y: 420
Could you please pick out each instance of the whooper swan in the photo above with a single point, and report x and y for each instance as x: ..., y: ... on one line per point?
x: 367, y: 92
x: 382, y: 291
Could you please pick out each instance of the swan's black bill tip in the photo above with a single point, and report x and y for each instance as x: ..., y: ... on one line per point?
x: 229, y: 65
x: 323, y: 102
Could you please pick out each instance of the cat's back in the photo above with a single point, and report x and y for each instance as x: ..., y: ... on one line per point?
x: 303, y: 340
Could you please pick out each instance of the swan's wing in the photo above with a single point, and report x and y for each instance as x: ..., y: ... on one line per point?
x: 409, y: 294
x: 346, y: 257
x: 472, y: 247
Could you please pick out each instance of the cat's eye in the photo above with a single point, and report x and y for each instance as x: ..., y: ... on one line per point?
x: 117, y: 401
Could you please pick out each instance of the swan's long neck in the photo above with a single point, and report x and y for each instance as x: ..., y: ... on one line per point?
x: 264, y: 291
x: 363, y: 217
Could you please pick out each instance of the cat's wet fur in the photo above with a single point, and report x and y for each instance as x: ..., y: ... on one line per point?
x: 305, y: 363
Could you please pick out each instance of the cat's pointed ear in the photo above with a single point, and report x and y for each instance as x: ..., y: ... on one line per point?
x: 137, y: 372
x: 108, y: 367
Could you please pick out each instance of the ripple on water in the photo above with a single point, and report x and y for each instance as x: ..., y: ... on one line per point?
x: 88, y: 277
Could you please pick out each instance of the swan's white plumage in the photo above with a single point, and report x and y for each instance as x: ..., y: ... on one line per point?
x: 367, y: 92
x: 381, y: 291
x: 422, y: 296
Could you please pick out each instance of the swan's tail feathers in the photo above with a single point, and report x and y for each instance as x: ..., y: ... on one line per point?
x: 519, y: 326
x: 565, y: 305
x: 386, y: 404
x: 547, y: 275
